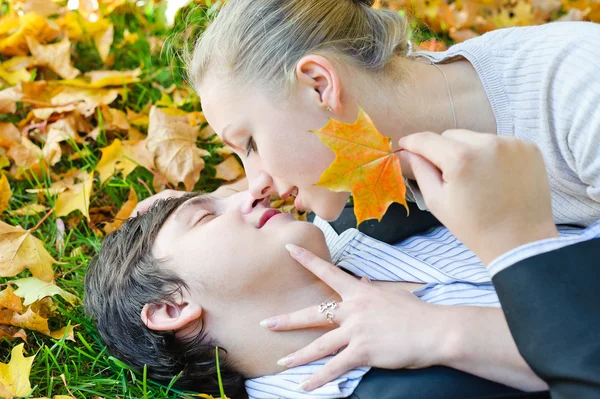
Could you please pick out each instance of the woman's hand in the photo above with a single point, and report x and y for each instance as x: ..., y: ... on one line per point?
x: 379, y: 326
x: 491, y: 192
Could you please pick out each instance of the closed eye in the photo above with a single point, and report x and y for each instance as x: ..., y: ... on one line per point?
x: 199, y: 221
x: 251, y: 146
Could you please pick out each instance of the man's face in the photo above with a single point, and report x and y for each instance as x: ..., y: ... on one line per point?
x: 227, y: 250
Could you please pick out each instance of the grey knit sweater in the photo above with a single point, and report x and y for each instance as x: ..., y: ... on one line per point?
x: 543, y: 83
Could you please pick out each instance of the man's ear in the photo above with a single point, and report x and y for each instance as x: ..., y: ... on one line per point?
x: 169, y: 317
x: 319, y: 74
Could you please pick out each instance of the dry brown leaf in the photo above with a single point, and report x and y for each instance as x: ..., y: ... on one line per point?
x: 30, y: 25
x: 46, y: 113
x: 113, y: 119
x: 56, y: 57
x: 62, y: 182
x: 26, y: 157
x: 123, y: 213
x: 9, y: 135
x: 140, y: 120
x: 5, y: 192
x: 76, y: 197
x: 229, y: 169
x: 172, y: 141
x: 8, y: 99
x: 10, y: 333
x: 20, y: 250
x: 62, y: 130
x: 124, y: 157
x: 32, y: 320
x: 14, y: 376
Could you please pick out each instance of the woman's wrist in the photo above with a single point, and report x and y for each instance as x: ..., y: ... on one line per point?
x: 449, y: 335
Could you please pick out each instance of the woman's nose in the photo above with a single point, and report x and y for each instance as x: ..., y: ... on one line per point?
x: 260, y: 185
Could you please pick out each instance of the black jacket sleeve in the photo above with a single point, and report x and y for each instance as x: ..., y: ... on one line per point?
x: 552, y: 305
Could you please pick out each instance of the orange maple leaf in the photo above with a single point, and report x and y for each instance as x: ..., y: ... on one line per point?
x: 364, y: 165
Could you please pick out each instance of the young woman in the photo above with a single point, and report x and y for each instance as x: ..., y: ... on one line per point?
x: 269, y: 71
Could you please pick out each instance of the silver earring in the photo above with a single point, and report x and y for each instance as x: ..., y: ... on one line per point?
x: 329, y: 108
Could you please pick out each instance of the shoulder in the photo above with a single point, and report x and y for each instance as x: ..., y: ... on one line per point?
x: 551, y: 33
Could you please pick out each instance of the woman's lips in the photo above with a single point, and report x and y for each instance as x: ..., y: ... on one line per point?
x: 269, y: 213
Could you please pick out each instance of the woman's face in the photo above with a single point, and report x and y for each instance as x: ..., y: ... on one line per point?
x: 274, y: 142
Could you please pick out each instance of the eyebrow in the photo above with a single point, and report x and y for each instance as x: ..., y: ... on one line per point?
x: 224, y: 136
x: 203, y: 199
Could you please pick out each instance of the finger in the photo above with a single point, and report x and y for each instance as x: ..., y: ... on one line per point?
x: 438, y: 149
x: 305, y: 318
x: 341, y: 363
x: 340, y: 281
x: 428, y: 176
x: 323, y: 346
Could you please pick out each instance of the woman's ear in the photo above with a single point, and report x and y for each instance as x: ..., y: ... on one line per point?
x: 169, y: 317
x: 318, y: 74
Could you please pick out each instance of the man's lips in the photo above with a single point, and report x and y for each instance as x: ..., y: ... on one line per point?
x: 268, y: 214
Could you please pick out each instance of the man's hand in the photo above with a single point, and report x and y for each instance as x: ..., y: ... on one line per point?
x: 491, y: 192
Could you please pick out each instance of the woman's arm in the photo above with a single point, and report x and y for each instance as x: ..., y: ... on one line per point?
x: 477, y: 340
x: 382, y: 325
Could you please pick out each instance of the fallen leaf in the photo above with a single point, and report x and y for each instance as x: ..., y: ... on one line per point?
x: 31, y: 25
x: 10, y: 301
x: 9, y: 135
x: 103, y: 41
x: 62, y: 130
x: 32, y: 320
x: 123, y: 213
x: 15, y: 76
x: 26, y: 157
x: 44, y: 8
x: 99, y: 79
x: 172, y: 141
x: 14, y: 376
x: 79, y: 28
x: 32, y: 289
x: 5, y: 192
x: 20, y: 250
x: 10, y: 333
x: 229, y: 169
x: 8, y: 100
x: 56, y: 57
x: 29, y: 210
x: 114, y: 119
x: 75, y: 197
x: 364, y: 165
x: 124, y: 157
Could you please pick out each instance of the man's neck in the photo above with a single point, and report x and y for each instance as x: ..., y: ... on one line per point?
x: 254, y: 350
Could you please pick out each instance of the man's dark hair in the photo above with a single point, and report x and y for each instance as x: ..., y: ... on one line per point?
x: 121, y: 279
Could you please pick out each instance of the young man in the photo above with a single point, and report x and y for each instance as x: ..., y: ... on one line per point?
x: 199, y: 271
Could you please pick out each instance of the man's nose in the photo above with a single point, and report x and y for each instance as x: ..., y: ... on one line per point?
x: 242, y: 202
x: 260, y: 185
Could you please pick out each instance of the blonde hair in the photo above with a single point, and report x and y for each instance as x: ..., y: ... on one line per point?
x: 263, y: 40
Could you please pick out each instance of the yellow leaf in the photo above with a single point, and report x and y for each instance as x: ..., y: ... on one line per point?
x: 10, y: 301
x: 55, y: 56
x: 14, y: 376
x: 15, y: 76
x: 29, y: 210
x: 11, y: 332
x: 79, y: 28
x: 124, y: 157
x: 103, y: 41
x: 123, y: 213
x: 99, y: 79
x: 20, y: 250
x: 76, y: 197
x: 33, y: 26
x: 89, y: 99
x: 32, y: 289
x: 364, y: 165
x: 5, y: 193
x: 172, y: 141
x: 229, y: 169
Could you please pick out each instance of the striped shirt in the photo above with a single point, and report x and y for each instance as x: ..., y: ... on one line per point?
x: 450, y: 272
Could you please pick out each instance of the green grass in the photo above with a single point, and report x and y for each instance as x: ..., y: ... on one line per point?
x: 87, y: 369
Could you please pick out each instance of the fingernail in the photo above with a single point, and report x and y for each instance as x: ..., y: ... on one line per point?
x: 294, y: 250
x: 269, y: 323
x: 285, y: 361
x: 303, y: 386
